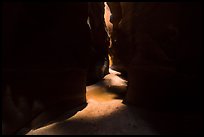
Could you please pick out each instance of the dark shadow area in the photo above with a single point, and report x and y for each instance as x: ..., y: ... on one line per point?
x: 51, y: 115
x: 172, y: 123
x: 121, y: 92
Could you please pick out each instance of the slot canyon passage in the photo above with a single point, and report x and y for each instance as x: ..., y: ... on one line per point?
x: 102, y: 68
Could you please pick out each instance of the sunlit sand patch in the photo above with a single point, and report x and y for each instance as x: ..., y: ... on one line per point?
x: 94, y: 111
x: 99, y: 94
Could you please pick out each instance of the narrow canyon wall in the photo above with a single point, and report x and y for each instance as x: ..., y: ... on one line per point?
x: 46, y: 53
x: 159, y: 45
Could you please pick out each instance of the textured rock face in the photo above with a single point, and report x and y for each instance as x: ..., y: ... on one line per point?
x: 46, y: 52
x: 161, y: 50
x: 99, y: 60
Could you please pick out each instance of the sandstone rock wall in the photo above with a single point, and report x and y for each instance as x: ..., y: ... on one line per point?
x: 160, y: 47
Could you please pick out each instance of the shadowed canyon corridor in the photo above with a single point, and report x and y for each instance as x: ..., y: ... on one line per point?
x: 102, y: 68
x: 105, y: 113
